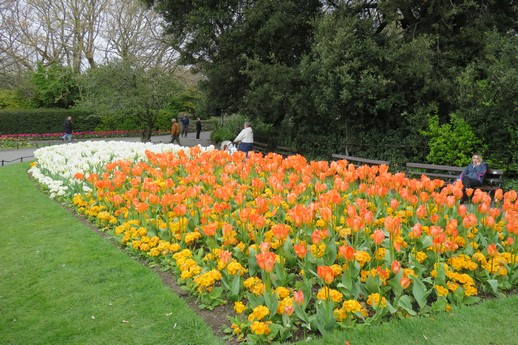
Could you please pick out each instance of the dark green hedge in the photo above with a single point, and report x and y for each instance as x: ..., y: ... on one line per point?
x: 21, y: 121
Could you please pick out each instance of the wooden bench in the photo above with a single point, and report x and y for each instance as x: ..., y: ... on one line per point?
x: 285, y: 151
x: 443, y: 172
x: 492, y: 179
x: 357, y: 161
x: 261, y: 147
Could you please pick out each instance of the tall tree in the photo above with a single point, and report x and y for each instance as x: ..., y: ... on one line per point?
x: 127, y: 88
x: 236, y: 41
x: 80, y: 34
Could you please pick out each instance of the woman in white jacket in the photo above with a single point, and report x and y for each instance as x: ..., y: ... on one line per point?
x: 245, y: 139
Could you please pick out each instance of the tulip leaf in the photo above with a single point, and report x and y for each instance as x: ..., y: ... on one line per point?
x: 236, y: 285
x: 427, y: 241
x: 494, y: 285
x: 439, y: 305
x: 253, y: 267
x: 254, y: 300
x: 301, y: 313
x: 395, y: 283
x: 372, y: 284
x: 405, y: 302
x: 271, y: 301
x: 470, y: 300
x: 330, y: 254
x: 419, y: 292
x: 347, y: 282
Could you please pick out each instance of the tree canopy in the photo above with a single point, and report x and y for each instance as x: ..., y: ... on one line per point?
x: 358, y: 76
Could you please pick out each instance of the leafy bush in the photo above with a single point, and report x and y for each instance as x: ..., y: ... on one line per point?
x: 226, y: 127
x: 221, y: 134
x: 119, y: 121
x: 12, y: 99
x: 43, y: 120
x: 452, y: 143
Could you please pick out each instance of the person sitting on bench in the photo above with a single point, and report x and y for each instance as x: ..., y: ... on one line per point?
x: 473, y: 175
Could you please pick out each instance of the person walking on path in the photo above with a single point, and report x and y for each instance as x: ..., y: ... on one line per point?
x: 245, y: 139
x: 67, y: 129
x: 198, y: 128
x: 185, y: 125
x: 175, y: 132
x: 473, y: 175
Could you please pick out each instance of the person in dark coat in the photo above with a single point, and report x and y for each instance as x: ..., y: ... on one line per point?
x: 473, y: 175
x: 198, y: 128
x: 67, y: 128
x: 185, y: 125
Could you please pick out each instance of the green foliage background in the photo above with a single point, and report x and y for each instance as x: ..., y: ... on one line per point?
x: 22, y: 121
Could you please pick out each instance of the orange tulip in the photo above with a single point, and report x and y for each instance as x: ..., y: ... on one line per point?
x: 499, y: 194
x: 421, y: 211
x: 378, y: 236
x: 404, y: 282
x: 291, y: 198
x: 416, y: 231
x: 326, y: 273
x: 462, y: 210
x: 490, y: 222
x: 326, y: 213
x: 298, y: 297
x: 300, y: 250
x: 451, y: 227
x: 266, y: 261
x: 316, y: 237
x: 141, y: 207
x: 368, y: 217
x: 450, y: 201
x: 395, y: 266
x: 483, y: 208
x: 264, y: 247
x: 79, y: 176
x: 225, y: 256
x: 347, y: 252
x: 117, y: 199
x: 392, y: 224
x: 280, y: 231
x: 289, y: 310
x: 210, y: 229
x: 492, y: 250
x: 469, y: 221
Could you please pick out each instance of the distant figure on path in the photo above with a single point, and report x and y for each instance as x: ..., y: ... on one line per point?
x: 198, y: 128
x: 185, y: 125
x: 67, y: 129
x: 175, y: 132
x: 245, y: 139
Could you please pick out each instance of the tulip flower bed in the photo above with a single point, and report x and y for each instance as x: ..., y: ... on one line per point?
x: 295, y: 246
x: 81, y: 135
x: 26, y: 140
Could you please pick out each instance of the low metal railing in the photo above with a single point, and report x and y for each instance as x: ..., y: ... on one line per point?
x: 5, y: 161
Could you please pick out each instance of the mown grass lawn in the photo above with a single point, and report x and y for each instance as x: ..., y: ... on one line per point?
x: 61, y: 283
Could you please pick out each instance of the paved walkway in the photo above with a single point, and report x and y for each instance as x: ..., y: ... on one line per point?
x: 27, y: 154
